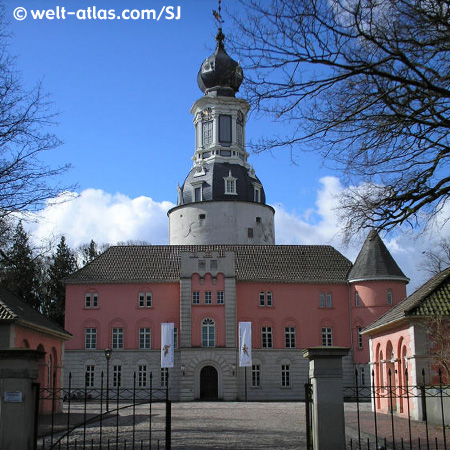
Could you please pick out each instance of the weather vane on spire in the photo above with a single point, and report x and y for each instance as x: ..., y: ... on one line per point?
x: 218, y: 16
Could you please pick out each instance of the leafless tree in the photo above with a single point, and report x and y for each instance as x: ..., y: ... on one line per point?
x: 26, y: 115
x: 438, y: 328
x: 437, y: 257
x: 365, y: 83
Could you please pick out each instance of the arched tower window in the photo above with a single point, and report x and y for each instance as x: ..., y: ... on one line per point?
x: 208, y: 333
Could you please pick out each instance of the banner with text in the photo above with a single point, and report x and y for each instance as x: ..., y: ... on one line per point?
x: 167, y: 344
x: 245, y: 344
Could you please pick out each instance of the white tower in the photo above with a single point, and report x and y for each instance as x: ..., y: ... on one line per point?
x: 221, y: 201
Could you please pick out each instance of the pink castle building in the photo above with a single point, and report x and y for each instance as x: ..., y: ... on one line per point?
x: 222, y: 267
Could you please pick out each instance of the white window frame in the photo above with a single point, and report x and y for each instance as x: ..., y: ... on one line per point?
x: 90, y: 338
x: 90, y: 376
x: 195, y: 297
x: 117, y: 375
x: 285, y: 375
x: 208, y: 333
x: 208, y: 297
x: 266, y: 337
x: 145, y: 299
x: 389, y: 297
x: 164, y: 376
x: 142, y: 375
x: 145, y: 338
x: 220, y: 297
x: 289, y: 337
x: 230, y: 184
x: 327, y: 336
x: 117, y: 338
x: 256, y: 375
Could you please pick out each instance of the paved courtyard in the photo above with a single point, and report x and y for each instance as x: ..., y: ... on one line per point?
x: 224, y: 425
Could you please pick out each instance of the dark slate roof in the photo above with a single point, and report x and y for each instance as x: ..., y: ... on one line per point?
x: 12, y: 308
x: 213, y: 184
x: 374, y: 262
x: 220, y: 73
x: 432, y: 298
x: 271, y: 263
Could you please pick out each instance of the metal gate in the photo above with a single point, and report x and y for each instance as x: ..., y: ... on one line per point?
x: 113, y: 418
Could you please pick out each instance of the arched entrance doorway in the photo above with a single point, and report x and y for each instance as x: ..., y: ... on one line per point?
x: 209, y: 383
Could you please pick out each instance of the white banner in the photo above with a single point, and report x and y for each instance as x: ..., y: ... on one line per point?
x: 245, y: 344
x: 167, y: 344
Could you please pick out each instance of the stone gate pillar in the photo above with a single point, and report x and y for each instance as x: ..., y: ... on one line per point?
x: 325, y: 372
x: 18, y: 375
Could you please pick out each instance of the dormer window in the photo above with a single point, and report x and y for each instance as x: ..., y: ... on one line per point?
x: 198, y: 194
x: 225, y: 129
x: 230, y: 184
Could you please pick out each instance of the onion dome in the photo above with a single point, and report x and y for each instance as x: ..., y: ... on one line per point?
x: 219, y: 74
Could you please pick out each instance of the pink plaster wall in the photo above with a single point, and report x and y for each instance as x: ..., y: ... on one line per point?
x: 53, y: 348
x: 373, y: 304
x: 295, y: 305
x: 397, y: 340
x: 119, y: 307
x: 213, y: 311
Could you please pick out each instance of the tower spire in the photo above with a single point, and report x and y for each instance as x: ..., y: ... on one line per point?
x: 220, y: 37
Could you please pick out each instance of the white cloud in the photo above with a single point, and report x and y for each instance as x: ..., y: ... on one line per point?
x: 106, y: 218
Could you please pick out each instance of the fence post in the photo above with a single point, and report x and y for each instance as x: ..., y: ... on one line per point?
x: 18, y: 376
x: 325, y: 372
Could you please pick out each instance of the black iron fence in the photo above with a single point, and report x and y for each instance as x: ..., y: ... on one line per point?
x: 114, y: 418
x: 398, y: 416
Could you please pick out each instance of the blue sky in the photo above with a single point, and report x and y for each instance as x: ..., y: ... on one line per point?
x: 124, y: 89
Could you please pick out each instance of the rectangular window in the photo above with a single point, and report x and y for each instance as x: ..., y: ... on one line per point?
x: 327, y: 336
x: 220, y: 297
x: 95, y: 301
x: 175, y: 337
x: 90, y: 338
x: 256, y: 375
x: 198, y: 194
x: 262, y: 299
x: 269, y: 298
x: 87, y: 301
x: 208, y: 297
x: 117, y: 338
x: 389, y: 297
x: 117, y: 376
x: 225, y: 129
x: 325, y: 300
x: 266, y: 337
x: 195, y: 297
x: 145, y: 300
x: 90, y: 376
x: 289, y: 335
x: 207, y: 129
x: 257, y: 195
x: 230, y: 186
x: 145, y: 338
x: 360, y: 338
x: 285, y: 375
x: 239, y: 134
x: 142, y: 376
x: 357, y: 299
x: 164, y: 376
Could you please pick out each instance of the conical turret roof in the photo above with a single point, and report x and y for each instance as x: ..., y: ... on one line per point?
x: 374, y: 262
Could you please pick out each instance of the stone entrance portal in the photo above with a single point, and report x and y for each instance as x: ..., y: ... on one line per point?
x: 209, y: 383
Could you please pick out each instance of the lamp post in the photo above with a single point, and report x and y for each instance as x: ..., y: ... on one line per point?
x: 108, y: 357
